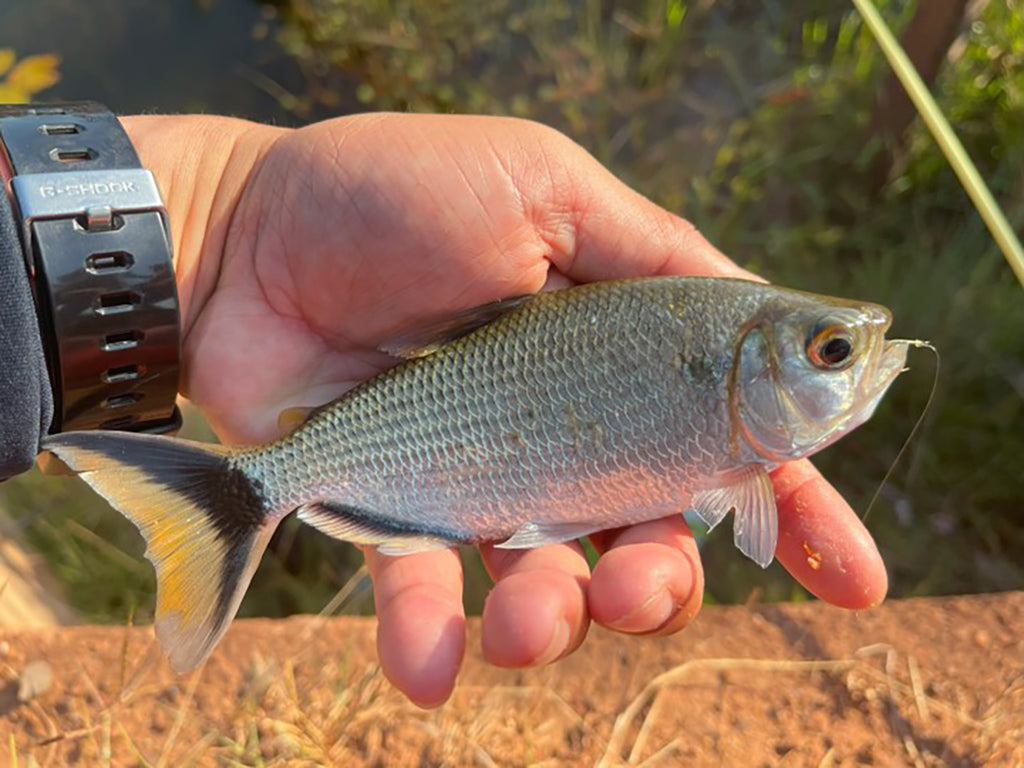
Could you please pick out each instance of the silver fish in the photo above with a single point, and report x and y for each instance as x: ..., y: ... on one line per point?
x: 531, y: 421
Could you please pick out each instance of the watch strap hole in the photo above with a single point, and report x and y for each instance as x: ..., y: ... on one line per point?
x: 121, y: 373
x: 119, y: 422
x: 117, y: 303
x: 72, y: 155
x: 61, y: 129
x: 109, y: 261
x: 122, y: 401
x: 116, y: 342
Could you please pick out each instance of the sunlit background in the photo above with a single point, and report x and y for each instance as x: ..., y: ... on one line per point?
x: 774, y: 126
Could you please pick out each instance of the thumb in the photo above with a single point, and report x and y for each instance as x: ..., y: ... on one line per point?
x: 598, y: 228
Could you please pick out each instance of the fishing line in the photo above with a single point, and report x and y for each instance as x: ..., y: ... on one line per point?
x: 917, y: 425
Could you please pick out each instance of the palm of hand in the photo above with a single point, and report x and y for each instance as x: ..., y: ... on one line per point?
x: 329, y: 257
x: 351, y: 230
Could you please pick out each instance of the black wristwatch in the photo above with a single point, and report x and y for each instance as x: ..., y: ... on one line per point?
x: 97, y: 248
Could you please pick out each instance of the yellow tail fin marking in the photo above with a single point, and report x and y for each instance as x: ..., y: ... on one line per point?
x: 203, y: 520
x: 182, y: 543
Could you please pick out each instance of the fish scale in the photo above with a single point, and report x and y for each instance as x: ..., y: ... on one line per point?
x: 601, y: 376
x: 529, y: 422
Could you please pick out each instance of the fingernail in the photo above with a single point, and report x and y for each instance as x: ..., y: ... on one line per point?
x: 654, y: 612
x: 556, y: 647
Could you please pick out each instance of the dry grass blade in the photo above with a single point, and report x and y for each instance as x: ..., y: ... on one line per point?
x: 666, y: 751
x: 105, y: 750
x: 355, y: 581
x: 143, y: 761
x: 913, y: 752
x: 524, y: 691
x: 179, y: 719
x: 920, y: 700
x: 626, y: 718
x: 993, y: 714
x: 896, y: 686
x: 945, y: 137
x: 200, y: 747
x: 337, y: 603
x: 640, y: 742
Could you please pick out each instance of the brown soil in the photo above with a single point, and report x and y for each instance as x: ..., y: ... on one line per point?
x: 916, y: 682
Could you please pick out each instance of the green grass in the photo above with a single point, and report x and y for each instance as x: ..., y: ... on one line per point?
x: 945, y: 137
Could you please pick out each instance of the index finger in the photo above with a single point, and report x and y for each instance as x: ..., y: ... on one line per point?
x: 823, y: 543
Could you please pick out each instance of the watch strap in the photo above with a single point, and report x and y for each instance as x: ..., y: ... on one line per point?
x: 97, y: 244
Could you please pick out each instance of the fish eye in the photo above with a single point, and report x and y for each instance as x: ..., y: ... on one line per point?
x: 830, y: 346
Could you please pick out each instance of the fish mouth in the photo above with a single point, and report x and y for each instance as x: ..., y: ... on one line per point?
x: 889, y: 362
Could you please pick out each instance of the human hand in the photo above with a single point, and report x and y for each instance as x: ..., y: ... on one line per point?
x: 300, y: 251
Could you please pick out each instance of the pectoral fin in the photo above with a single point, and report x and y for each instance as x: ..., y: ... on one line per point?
x: 540, y: 534
x: 755, y: 526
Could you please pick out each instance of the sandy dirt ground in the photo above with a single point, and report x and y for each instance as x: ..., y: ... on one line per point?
x: 916, y: 682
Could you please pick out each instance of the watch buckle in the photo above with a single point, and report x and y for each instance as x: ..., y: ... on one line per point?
x: 95, y: 197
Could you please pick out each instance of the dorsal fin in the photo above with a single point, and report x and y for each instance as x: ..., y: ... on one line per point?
x: 291, y: 419
x: 427, y: 338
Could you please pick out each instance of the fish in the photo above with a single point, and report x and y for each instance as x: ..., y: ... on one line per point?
x: 525, y: 422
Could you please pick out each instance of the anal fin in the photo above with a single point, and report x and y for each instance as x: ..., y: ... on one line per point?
x: 755, y: 526
x: 364, y: 527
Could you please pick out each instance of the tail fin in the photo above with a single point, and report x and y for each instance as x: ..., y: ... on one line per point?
x: 204, y: 522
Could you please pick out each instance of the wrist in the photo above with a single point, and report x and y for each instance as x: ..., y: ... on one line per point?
x: 202, y: 165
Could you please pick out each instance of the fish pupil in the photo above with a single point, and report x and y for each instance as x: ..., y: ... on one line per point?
x: 836, y: 350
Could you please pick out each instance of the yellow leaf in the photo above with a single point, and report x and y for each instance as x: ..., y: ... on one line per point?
x: 9, y: 95
x: 6, y: 59
x: 35, y: 73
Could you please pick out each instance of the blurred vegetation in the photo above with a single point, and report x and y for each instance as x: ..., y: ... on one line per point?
x: 758, y: 122
x: 21, y: 80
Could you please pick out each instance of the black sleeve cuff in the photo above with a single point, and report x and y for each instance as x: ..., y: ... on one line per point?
x: 26, y: 401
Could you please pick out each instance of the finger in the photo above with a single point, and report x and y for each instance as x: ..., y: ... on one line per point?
x: 537, y: 611
x: 421, y: 625
x: 823, y: 543
x: 649, y: 580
